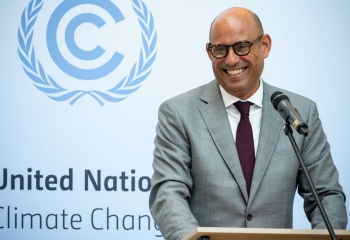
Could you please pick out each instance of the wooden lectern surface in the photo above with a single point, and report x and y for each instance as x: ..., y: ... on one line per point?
x: 216, y: 233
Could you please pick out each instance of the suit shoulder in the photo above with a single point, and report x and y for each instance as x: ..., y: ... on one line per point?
x: 192, y: 96
x: 294, y: 97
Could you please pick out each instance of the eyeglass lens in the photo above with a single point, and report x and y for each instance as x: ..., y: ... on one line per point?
x: 241, y: 48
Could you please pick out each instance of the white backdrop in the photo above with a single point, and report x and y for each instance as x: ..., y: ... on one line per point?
x: 41, y: 138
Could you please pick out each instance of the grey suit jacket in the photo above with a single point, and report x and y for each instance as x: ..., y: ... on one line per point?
x: 198, y: 180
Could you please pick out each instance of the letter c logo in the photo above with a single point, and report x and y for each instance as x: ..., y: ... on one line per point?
x: 51, y: 39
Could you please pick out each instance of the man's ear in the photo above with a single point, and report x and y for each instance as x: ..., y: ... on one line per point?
x: 208, y: 52
x: 266, y: 43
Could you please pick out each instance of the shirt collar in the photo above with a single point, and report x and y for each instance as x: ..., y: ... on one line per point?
x: 256, y: 98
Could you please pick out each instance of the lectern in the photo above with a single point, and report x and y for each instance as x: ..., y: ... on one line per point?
x: 218, y: 233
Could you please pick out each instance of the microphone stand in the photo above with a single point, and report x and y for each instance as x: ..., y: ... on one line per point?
x: 289, y: 132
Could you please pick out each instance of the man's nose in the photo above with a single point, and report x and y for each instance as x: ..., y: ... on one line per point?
x: 232, y: 58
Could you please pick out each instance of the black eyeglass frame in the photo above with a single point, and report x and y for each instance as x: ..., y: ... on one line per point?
x: 233, y: 47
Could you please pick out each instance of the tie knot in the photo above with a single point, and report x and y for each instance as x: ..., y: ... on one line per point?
x: 243, y: 107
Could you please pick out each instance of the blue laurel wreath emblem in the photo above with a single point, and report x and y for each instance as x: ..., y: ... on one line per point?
x: 126, y: 86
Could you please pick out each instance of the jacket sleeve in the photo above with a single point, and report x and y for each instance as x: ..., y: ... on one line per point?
x: 171, y: 182
x: 318, y: 160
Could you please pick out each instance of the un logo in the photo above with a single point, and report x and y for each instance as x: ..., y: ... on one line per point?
x: 85, y: 73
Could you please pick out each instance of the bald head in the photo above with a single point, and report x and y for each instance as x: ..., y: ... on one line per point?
x: 239, y: 15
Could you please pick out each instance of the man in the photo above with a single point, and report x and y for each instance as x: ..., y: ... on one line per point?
x: 201, y: 156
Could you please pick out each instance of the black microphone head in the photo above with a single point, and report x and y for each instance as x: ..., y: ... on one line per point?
x: 277, y: 97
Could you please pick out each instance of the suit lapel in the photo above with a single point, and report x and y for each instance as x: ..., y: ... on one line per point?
x: 215, y: 117
x: 271, y: 125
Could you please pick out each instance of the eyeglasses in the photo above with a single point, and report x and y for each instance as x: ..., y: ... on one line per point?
x: 241, y: 48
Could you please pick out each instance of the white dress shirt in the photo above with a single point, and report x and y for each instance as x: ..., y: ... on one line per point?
x: 255, y: 112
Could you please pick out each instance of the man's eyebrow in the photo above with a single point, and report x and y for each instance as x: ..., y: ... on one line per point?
x: 246, y: 40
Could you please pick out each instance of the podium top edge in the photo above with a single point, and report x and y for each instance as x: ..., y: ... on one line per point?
x: 267, y: 230
x: 262, y: 232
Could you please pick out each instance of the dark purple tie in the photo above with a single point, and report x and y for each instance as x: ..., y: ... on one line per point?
x: 245, y: 142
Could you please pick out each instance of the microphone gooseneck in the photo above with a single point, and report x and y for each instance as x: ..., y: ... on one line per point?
x: 282, y: 104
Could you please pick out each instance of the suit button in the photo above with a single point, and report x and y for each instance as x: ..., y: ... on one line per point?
x: 249, y: 217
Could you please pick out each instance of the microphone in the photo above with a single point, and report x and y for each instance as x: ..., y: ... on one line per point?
x: 282, y: 104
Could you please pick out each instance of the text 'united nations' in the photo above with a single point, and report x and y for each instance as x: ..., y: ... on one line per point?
x: 36, y: 181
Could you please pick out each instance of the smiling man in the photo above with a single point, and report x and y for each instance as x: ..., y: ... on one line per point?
x: 238, y: 71
x: 221, y: 156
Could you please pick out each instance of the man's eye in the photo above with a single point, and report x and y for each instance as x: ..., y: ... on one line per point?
x: 220, y: 49
x: 241, y: 47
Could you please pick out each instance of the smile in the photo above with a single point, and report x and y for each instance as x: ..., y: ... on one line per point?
x: 233, y: 72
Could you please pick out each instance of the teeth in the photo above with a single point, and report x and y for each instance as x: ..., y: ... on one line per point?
x: 236, y: 71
